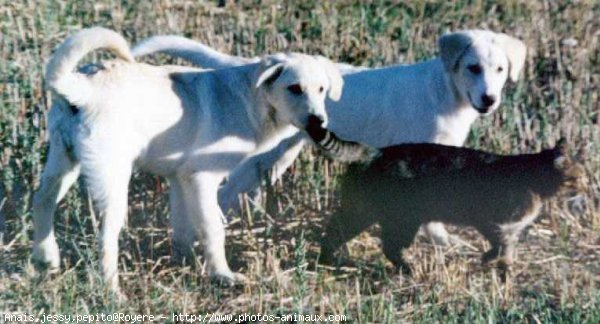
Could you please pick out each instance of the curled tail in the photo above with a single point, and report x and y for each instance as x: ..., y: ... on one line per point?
x: 189, y: 50
x: 60, y: 75
x: 336, y: 148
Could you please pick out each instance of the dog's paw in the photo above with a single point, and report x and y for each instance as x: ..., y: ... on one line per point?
x: 183, y: 259
x: 46, y: 256
x: 491, y: 257
x: 228, y: 278
x: 505, y: 270
x: 455, y: 240
x: 436, y: 233
x: 401, y: 267
x: 327, y: 259
x: 115, y: 294
x: 120, y: 297
x: 440, y: 239
x: 404, y: 270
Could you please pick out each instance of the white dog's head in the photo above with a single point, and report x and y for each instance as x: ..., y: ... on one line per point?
x: 296, y: 85
x: 479, y: 62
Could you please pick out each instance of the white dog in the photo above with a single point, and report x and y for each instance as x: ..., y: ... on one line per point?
x: 434, y: 101
x: 189, y: 125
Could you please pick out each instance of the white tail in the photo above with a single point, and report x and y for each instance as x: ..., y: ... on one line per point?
x: 60, y: 75
x: 189, y: 50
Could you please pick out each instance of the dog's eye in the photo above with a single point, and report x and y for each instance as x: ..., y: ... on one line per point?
x: 295, y: 89
x: 321, y: 89
x: 474, y: 68
x: 500, y: 69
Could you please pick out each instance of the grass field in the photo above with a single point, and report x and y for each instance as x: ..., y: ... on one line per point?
x: 557, y: 275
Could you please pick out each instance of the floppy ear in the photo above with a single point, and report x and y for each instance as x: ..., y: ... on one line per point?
x: 560, y: 154
x: 515, y: 50
x: 452, y: 47
x: 336, y: 82
x: 560, y: 162
x: 561, y: 146
x: 270, y: 74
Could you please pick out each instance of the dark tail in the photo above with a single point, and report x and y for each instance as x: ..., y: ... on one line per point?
x: 336, y: 148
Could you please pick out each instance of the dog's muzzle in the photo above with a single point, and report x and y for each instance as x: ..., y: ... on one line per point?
x: 483, y: 111
x: 315, y: 128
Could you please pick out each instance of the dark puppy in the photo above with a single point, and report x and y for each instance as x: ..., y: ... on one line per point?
x: 404, y: 186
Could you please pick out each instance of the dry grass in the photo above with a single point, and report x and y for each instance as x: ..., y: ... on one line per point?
x: 557, y: 275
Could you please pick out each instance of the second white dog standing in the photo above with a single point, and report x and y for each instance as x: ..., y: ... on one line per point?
x: 189, y: 125
x: 435, y: 101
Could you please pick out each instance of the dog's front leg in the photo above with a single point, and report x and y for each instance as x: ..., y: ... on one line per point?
x: 249, y: 175
x: 200, y: 194
x: 289, y: 152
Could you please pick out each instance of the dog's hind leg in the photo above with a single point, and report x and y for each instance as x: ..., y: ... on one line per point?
x: 343, y: 226
x: 397, y: 236
x: 108, y: 184
x: 183, y: 230
x: 60, y: 172
x: 200, y: 194
x: 498, y: 249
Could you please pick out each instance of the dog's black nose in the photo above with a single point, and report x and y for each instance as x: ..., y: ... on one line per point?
x: 315, y: 129
x: 488, y: 100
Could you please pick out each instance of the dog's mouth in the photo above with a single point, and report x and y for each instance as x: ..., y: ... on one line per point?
x: 481, y: 110
x: 315, y: 129
x: 310, y: 121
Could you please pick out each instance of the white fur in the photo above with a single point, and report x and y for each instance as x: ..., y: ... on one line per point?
x: 2, y: 218
x: 511, y: 231
x: 189, y: 50
x: 191, y: 126
x: 433, y: 101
